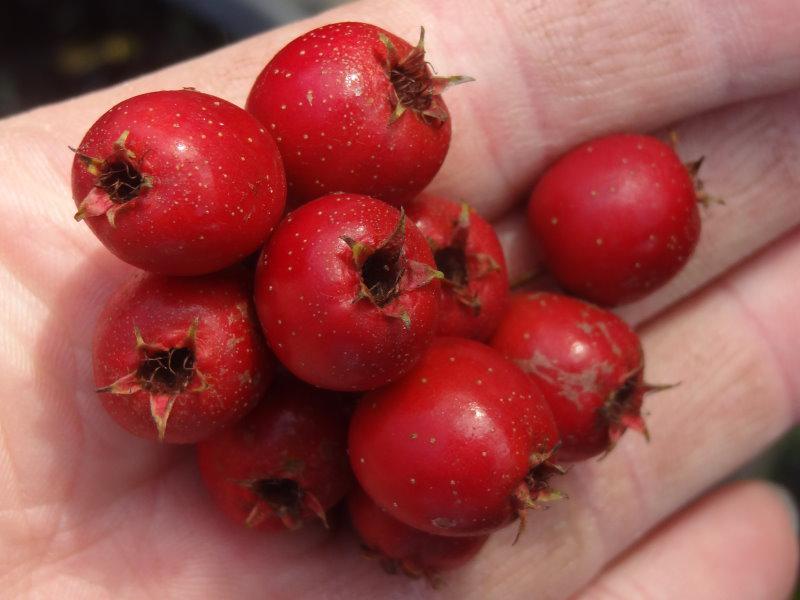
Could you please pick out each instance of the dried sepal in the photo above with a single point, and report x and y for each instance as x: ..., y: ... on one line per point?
x: 257, y: 514
x: 360, y: 251
x: 419, y: 274
x: 289, y: 514
x: 413, y: 86
x: 160, y: 408
x: 118, y: 182
x: 311, y: 503
x: 155, y: 359
x: 97, y: 202
x: 440, y: 84
x: 403, y: 315
x: 124, y: 386
x: 485, y: 264
x: 92, y: 164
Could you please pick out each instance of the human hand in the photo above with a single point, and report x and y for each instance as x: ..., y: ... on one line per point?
x: 88, y: 511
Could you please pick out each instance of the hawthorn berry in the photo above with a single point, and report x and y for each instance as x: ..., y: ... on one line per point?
x: 354, y: 108
x: 588, y: 363
x: 285, y: 463
x: 176, y: 359
x: 616, y: 217
x: 178, y: 182
x: 347, y: 292
x: 459, y: 446
x: 468, y: 253
x: 401, y: 548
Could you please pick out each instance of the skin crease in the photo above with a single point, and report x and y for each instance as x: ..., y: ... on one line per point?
x: 437, y: 218
x: 327, y: 100
x: 444, y: 448
x: 229, y: 351
x: 89, y: 511
x: 305, y: 291
x: 218, y: 186
x: 404, y: 548
x: 578, y: 355
x: 615, y: 218
x: 297, y: 432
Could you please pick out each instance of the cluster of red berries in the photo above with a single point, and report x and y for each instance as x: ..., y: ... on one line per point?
x: 471, y: 394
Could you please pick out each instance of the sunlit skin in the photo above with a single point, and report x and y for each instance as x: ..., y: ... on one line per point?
x: 90, y: 511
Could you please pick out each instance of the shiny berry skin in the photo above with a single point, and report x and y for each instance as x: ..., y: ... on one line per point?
x: 285, y: 463
x: 588, y: 363
x: 347, y: 293
x: 468, y: 253
x: 449, y: 448
x: 616, y: 217
x: 178, y: 182
x: 401, y: 548
x: 354, y: 108
x: 179, y: 358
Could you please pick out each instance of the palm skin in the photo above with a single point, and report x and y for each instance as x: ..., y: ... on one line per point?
x: 88, y: 511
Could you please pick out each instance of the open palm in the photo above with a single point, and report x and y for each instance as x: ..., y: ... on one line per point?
x: 88, y: 511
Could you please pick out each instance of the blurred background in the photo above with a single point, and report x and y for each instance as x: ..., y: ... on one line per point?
x: 54, y: 50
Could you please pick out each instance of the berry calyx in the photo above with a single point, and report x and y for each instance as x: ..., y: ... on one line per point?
x: 620, y: 409
x: 118, y: 181
x: 357, y: 109
x: 284, y: 499
x: 385, y: 272
x: 178, y: 182
x: 459, y: 266
x: 448, y: 448
x: 164, y: 373
x: 588, y: 363
x: 534, y: 492
x: 178, y: 358
x: 466, y: 250
x: 282, y: 465
x: 414, y: 87
x: 347, y: 292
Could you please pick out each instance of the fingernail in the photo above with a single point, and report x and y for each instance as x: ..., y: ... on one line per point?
x: 791, y: 506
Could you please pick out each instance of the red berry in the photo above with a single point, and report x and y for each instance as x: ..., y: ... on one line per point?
x: 466, y: 249
x: 453, y: 447
x: 178, y: 182
x: 588, y: 363
x: 354, y: 108
x: 283, y: 464
x: 177, y: 359
x: 347, y: 293
x: 616, y: 217
x: 402, y: 548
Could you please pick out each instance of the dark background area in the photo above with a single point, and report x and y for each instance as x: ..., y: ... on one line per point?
x: 55, y: 50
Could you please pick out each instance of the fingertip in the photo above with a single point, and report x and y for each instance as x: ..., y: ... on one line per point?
x: 789, y: 504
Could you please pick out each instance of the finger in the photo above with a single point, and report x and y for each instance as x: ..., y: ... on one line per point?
x: 737, y: 395
x: 740, y: 542
x: 752, y: 162
x: 549, y: 74
x: 733, y: 349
